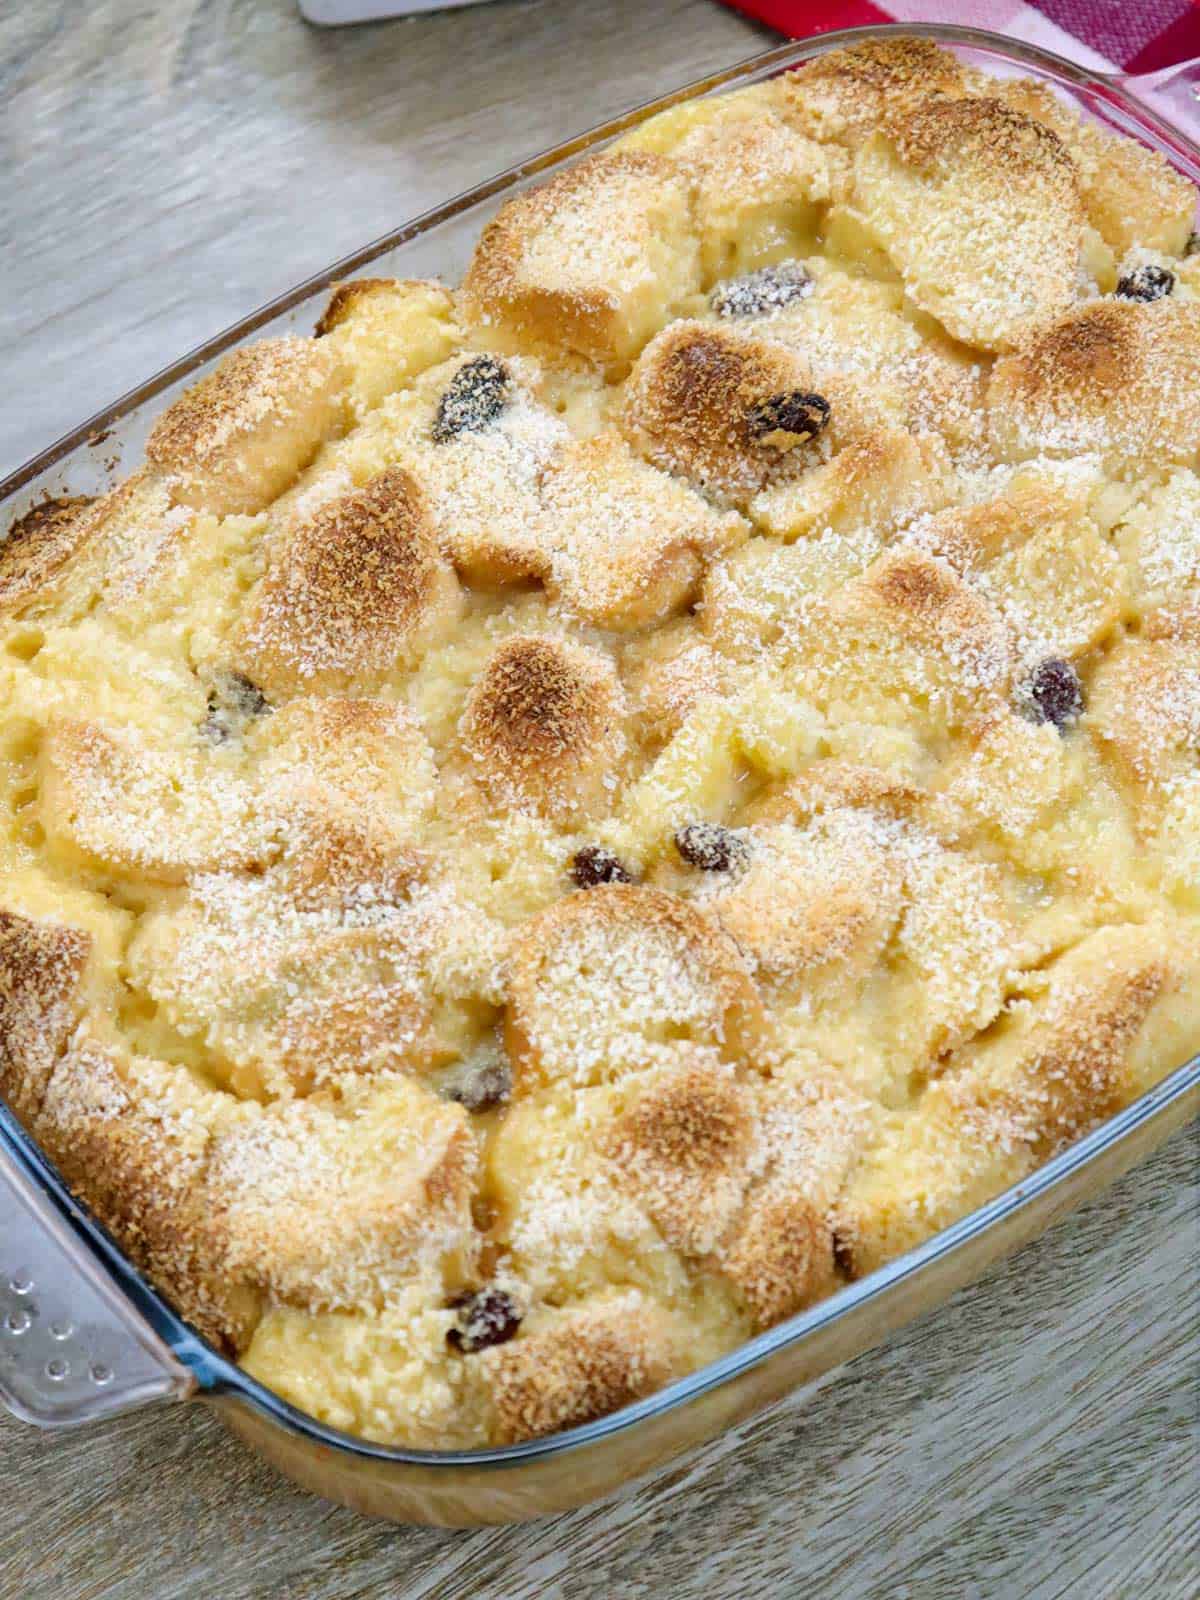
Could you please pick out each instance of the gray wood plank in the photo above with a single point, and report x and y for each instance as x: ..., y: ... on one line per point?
x: 1037, y: 1438
x: 171, y: 164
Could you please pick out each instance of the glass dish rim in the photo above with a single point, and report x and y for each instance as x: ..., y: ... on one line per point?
x: 782, y: 56
x: 215, y: 1375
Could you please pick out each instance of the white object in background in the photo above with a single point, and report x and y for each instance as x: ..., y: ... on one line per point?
x: 333, y: 13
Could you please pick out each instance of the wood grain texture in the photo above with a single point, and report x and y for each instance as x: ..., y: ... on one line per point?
x: 165, y: 166
x: 1035, y: 1439
x: 168, y: 165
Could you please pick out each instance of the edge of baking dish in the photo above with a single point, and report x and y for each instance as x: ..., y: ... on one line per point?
x: 128, y: 1347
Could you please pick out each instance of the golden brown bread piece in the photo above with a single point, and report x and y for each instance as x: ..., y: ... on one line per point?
x: 908, y: 643
x: 923, y: 602
x: 778, y: 1255
x: 666, y: 674
x: 843, y: 94
x: 332, y: 768
x: 1117, y: 377
x: 627, y: 544
x: 687, y: 1146
x: 387, y: 331
x: 240, y: 435
x: 346, y: 299
x: 308, y: 1208
x: 543, y: 727
x: 132, y: 1138
x: 815, y: 903
x: 116, y: 799
x: 580, y: 1363
x: 1145, y: 712
x: 481, y: 465
x: 761, y: 188
x: 37, y: 545
x: 321, y: 968
x: 978, y: 208
x: 41, y: 968
x: 349, y: 594
x: 1039, y: 555
x: 862, y: 327
x: 672, y: 974
x: 1060, y: 1060
x: 729, y: 412
x: 593, y: 262
x: 66, y: 557
x: 829, y: 784
x: 1131, y: 193
x: 878, y: 480
x: 221, y: 1202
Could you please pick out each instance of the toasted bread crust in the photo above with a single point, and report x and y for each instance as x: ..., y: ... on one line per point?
x: 650, y: 938
x: 343, y: 299
x: 1116, y: 377
x: 926, y: 166
x: 587, y: 1362
x: 631, y: 543
x: 137, y: 1152
x: 694, y: 401
x: 686, y: 1147
x: 276, y: 1173
x: 555, y: 264
x: 233, y: 440
x: 112, y: 799
x: 38, y: 544
x: 1145, y: 714
x: 1059, y: 1064
x: 844, y: 94
x: 40, y: 970
x: 542, y: 726
x: 358, y: 586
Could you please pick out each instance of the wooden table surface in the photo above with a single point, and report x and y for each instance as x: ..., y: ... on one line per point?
x: 166, y: 166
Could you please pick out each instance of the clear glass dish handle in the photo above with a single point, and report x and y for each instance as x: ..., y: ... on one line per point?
x: 1173, y: 92
x: 72, y: 1349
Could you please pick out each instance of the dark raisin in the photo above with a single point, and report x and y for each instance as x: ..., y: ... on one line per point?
x: 1054, y: 693
x: 711, y: 847
x: 486, y: 1318
x: 595, y: 865
x: 843, y: 1257
x: 1145, y: 283
x: 478, y: 393
x: 1192, y: 245
x: 788, y: 419
x: 480, y: 1080
x: 246, y: 696
x: 760, y: 293
x: 233, y: 701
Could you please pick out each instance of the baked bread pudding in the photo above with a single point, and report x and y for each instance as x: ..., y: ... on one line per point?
x: 555, y: 822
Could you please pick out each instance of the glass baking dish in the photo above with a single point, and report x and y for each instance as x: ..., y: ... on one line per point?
x: 83, y: 1335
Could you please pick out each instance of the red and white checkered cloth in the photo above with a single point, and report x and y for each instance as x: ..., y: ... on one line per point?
x: 1133, y: 36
